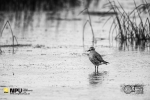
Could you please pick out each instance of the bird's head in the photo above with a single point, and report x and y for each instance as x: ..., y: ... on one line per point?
x: 91, y: 49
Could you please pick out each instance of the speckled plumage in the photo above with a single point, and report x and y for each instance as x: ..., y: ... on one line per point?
x: 96, y: 58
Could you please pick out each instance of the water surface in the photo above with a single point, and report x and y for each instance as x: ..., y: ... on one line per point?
x: 56, y: 67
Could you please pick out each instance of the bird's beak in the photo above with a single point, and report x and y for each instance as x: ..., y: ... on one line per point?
x: 88, y: 50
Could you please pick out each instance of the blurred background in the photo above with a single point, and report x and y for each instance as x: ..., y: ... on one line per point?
x: 57, y: 22
x: 49, y: 58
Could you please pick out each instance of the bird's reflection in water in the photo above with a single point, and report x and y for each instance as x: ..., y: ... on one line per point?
x: 96, y: 78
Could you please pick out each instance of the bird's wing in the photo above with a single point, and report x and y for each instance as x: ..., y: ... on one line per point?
x: 94, y: 61
x: 98, y: 57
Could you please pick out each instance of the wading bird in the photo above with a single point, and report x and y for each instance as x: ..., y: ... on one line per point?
x: 96, y: 58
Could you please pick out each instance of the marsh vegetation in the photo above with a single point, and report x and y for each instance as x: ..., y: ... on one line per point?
x: 53, y: 58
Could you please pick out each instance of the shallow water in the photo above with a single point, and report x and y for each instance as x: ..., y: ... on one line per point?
x: 56, y: 67
x: 66, y: 73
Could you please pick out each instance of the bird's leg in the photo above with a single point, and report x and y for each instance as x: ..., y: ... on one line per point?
x: 97, y: 69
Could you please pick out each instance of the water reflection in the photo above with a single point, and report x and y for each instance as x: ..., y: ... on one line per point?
x: 26, y: 16
x: 36, y: 5
x: 134, y: 45
x: 96, y: 78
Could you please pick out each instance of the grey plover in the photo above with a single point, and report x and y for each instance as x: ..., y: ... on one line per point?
x: 96, y: 58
